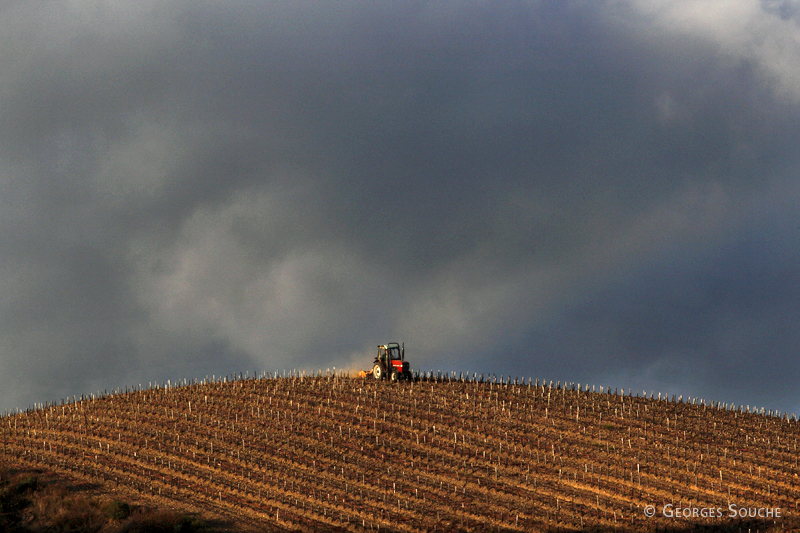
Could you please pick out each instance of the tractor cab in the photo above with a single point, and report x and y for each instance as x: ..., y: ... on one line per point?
x: 390, y: 352
x: 390, y: 362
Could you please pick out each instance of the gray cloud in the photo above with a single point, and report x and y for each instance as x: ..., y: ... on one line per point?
x: 589, y: 192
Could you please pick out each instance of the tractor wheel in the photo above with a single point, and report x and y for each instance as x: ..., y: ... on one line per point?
x: 377, y: 371
x: 408, y: 376
x: 394, y: 376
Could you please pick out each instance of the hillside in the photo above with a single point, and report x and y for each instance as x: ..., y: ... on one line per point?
x: 339, y: 453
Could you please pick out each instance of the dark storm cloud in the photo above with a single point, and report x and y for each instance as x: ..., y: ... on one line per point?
x: 579, y: 191
x: 717, y: 321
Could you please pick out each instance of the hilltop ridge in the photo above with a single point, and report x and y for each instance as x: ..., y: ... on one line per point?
x: 330, y: 452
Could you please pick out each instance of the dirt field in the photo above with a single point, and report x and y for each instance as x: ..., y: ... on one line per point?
x: 341, y: 453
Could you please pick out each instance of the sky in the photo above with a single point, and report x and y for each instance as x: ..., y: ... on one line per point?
x: 598, y: 192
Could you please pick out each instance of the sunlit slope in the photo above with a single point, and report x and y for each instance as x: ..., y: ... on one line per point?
x: 328, y: 452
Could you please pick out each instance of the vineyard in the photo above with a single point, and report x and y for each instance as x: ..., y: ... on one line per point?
x: 335, y: 453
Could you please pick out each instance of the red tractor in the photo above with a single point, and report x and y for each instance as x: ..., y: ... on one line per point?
x: 390, y: 363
